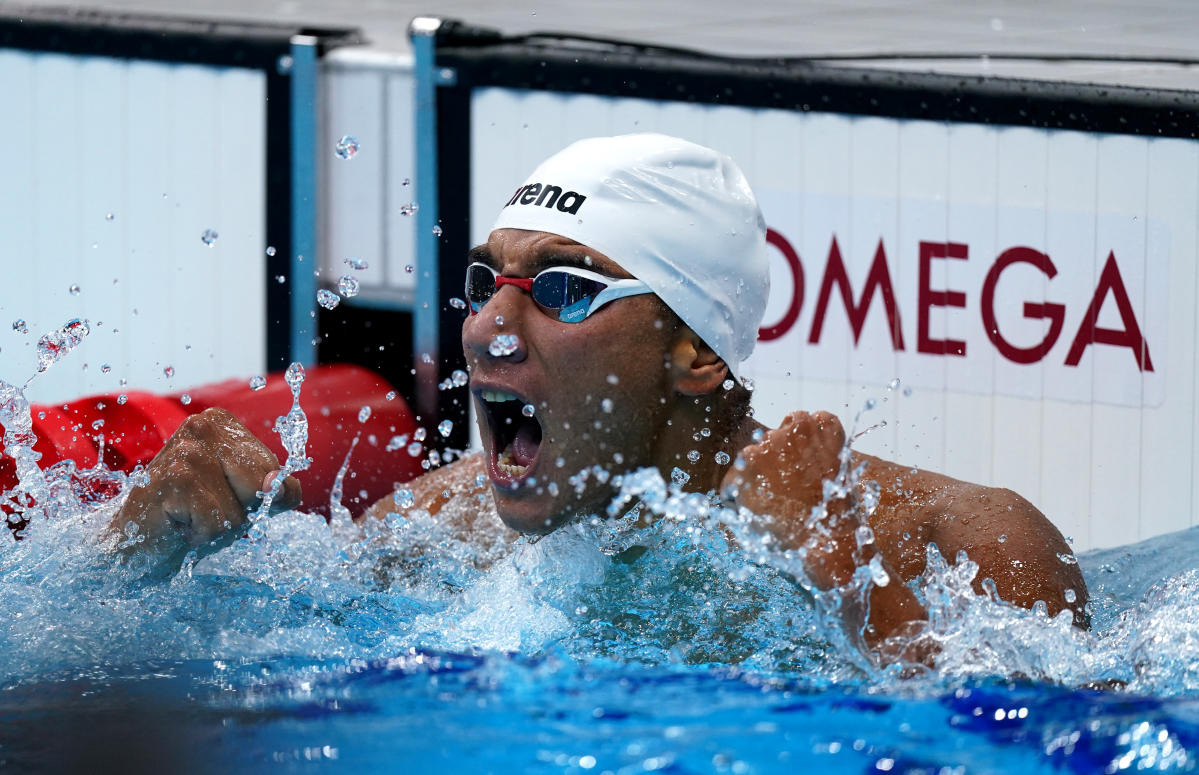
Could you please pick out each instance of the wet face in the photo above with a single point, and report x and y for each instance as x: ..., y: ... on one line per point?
x: 599, y: 389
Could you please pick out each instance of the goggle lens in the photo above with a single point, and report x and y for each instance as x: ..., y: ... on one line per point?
x: 566, y: 294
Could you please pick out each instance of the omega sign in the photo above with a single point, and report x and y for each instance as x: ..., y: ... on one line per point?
x: 984, y: 318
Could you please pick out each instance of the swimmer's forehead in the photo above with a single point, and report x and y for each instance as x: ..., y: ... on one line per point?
x: 519, y: 252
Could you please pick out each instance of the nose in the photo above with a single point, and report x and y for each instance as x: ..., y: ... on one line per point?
x: 496, y: 332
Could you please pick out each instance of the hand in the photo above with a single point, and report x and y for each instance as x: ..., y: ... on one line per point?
x: 783, y: 478
x: 202, y: 484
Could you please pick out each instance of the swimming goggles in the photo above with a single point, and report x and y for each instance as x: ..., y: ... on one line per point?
x: 565, y: 293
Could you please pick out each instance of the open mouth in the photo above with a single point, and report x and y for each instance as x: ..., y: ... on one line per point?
x: 515, y: 434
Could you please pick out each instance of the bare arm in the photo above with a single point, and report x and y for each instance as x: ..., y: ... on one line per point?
x: 784, y: 475
x: 465, y: 478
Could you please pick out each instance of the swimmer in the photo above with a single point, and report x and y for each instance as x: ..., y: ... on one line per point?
x: 610, y: 311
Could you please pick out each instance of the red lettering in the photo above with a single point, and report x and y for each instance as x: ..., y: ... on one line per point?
x: 1089, y: 331
x: 1056, y: 313
x: 767, y: 333
x: 878, y: 278
x: 928, y: 298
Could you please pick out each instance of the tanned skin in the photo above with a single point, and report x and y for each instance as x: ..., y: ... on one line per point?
x: 665, y: 385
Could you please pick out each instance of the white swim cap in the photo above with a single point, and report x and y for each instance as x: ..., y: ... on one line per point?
x: 677, y: 216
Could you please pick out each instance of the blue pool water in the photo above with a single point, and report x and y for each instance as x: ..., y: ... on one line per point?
x: 331, y: 647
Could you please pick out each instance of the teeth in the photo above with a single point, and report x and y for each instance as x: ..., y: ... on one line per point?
x: 497, y: 396
x: 510, y: 466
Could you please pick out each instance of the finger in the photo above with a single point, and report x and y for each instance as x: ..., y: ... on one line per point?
x: 289, y: 495
x: 244, y: 460
x: 199, y: 500
x: 198, y: 516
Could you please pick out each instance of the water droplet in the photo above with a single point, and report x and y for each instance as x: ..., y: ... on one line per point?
x: 409, y: 209
x: 346, y: 147
x: 357, y: 263
x: 209, y: 237
x: 722, y: 458
x: 169, y: 371
x: 19, y: 326
x: 870, y: 404
x: 528, y: 410
x: 404, y: 498
x: 270, y: 250
x: 327, y: 299
x: 893, y: 384
x: 364, y: 414
x: 503, y: 345
x: 257, y: 382
x: 705, y: 431
x: 105, y: 368
x: 679, y: 476
x: 419, y: 435
x: 1070, y: 595
x: 499, y: 320
x: 54, y: 346
x: 406, y: 182
x: 606, y: 405
x: 445, y: 428
x: 109, y: 216
x: 693, y: 456
x: 757, y: 435
x: 1002, y: 538
x: 414, y: 449
x: 122, y: 398
x: 748, y: 384
x: 185, y: 399
x: 436, y: 231
x: 459, y: 378
x: 348, y: 286
x: 613, y: 379
x: 727, y: 384
x: 409, y: 268
x: 73, y: 290
x: 907, y: 390
x: 280, y: 279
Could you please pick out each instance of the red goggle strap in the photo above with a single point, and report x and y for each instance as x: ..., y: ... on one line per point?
x: 524, y: 283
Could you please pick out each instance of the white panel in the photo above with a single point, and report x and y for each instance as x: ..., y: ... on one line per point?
x: 355, y: 187
x: 1116, y: 438
x: 401, y: 166
x: 1170, y: 430
x: 166, y: 151
x: 921, y: 192
x: 1070, y: 244
x: 1021, y: 218
x: 967, y: 423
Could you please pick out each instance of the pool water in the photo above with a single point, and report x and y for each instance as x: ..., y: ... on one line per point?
x: 395, y: 646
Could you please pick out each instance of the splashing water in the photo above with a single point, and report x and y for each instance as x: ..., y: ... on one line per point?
x: 347, y: 147
x: 55, y: 345
x: 209, y: 237
x: 662, y: 634
x: 347, y: 286
x: 327, y: 299
x: 293, y: 433
x: 503, y: 344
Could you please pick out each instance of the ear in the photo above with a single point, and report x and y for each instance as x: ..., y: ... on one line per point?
x: 694, y: 368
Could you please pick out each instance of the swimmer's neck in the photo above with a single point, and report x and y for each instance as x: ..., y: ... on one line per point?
x: 709, y: 426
